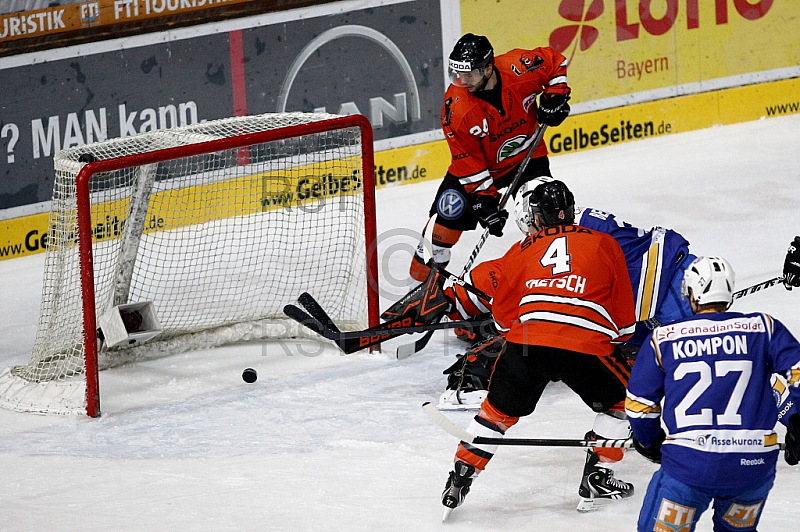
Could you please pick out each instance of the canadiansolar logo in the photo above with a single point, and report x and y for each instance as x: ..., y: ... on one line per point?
x: 665, y: 333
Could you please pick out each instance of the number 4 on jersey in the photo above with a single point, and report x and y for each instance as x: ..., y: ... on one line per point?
x: 557, y: 257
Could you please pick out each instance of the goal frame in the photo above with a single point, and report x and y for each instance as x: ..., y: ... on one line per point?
x: 84, y: 219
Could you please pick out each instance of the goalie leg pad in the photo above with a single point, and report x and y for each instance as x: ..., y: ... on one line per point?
x: 473, y: 369
x: 468, y: 377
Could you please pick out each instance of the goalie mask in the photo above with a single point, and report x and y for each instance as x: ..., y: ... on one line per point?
x: 521, y: 213
x: 552, y: 203
x: 711, y: 280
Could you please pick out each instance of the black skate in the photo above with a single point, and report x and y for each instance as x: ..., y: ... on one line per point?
x: 457, y: 487
x: 598, y: 485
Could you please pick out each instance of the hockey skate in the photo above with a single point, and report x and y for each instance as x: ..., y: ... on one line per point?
x: 598, y: 485
x: 457, y: 487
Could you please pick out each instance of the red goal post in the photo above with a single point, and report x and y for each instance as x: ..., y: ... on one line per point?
x: 249, y: 212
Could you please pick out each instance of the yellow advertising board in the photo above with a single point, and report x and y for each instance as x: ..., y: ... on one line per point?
x: 619, y: 47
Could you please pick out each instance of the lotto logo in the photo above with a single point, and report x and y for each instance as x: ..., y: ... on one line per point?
x: 740, y: 516
x: 674, y: 517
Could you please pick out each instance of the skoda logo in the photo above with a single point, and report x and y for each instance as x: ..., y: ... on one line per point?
x: 512, y: 147
x: 451, y: 204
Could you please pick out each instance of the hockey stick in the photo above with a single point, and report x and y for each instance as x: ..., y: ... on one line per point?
x: 317, y: 312
x: 769, y: 283
x: 406, y: 350
x: 454, y: 430
x: 537, y: 138
x: 352, y: 341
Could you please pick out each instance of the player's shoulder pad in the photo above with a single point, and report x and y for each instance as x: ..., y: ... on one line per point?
x: 519, y: 61
x: 458, y: 103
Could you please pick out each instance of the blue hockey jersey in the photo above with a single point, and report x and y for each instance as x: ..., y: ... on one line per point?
x: 713, y: 371
x: 653, y: 257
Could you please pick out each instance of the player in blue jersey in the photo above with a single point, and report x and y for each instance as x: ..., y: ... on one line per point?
x: 656, y: 260
x: 706, y: 380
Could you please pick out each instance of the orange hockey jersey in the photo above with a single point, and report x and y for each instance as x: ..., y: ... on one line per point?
x: 486, y: 143
x: 565, y: 287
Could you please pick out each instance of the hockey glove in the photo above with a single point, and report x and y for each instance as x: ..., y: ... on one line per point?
x: 487, y: 210
x: 427, y: 303
x: 791, y: 266
x: 652, y: 453
x: 792, y: 452
x: 629, y: 352
x: 553, y: 108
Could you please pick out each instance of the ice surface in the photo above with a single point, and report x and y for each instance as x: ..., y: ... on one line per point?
x: 334, y: 442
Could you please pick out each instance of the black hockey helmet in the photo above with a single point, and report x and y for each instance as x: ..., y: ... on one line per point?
x: 553, y: 203
x: 471, y: 52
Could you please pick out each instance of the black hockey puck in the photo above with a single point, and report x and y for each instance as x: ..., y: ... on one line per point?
x: 249, y: 375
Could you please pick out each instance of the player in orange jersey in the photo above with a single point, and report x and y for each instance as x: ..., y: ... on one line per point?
x: 563, y: 301
x: 489, y: 118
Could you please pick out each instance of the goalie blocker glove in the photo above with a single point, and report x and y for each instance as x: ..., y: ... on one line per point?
x: 491, y: 217
x: 553, y: 108
x: 427, y: 303
x: 791, y: 266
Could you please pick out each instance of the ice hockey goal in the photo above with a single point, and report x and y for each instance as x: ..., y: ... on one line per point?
x: 214, y: 227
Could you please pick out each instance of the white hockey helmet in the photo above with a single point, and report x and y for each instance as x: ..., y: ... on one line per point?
x: 521, y: 213
x: 711, y: 280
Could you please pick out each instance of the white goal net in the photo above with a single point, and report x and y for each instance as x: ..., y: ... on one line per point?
x: 217, y: 225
